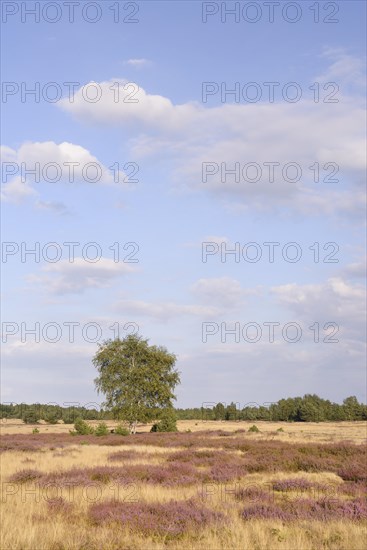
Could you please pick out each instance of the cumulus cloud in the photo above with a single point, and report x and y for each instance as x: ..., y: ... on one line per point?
x: 38, y: 162
x: 335, y: 300
x: 66, y: 277
x: 192, y: 135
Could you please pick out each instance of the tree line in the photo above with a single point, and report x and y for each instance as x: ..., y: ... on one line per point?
x: 309, y: 408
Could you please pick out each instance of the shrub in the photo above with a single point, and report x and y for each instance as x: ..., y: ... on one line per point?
x: 101, y: 429
x: 23, y: 476
x: 167, y: 422
x: 35, y: 431
x: 82, y: 428
x: 178, y: 474
x: 293, y: 484
x: 51, y: 418
x: 253, y: 429
x: 30, y: 417
x: 121, y: 430
x: 172, y: 519
x: 309, y: 509
x: 353, y: 472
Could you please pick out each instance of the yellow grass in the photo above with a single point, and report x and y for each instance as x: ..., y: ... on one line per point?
x: 322, y: 432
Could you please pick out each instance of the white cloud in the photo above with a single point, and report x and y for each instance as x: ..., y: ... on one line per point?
x: 140, y: 62
x: 16, y: 191
x: 125, y: 102
x: 66, y: 277
x: 53, y: 206
x: 191, y: 134
x: 335, y: 300
x: 64, y: 162
x: 344, y: 68
x: 356, y: 269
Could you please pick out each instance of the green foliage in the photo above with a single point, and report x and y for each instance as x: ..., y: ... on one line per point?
x: 101, y: 429
x: 280, y: 430
x: 167, y: 422
x: 30, y: 417
x: 121, y: 430
x: 35, y: 431
x: 219, y: 411
x: 231, y: 412
x: 82, y: 428
x: 51, y: 418
x: 136, y: 379
x: 253, y: 428
x: 68, y: 420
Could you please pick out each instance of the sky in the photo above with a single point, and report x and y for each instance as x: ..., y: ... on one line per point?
x: 193, y: 172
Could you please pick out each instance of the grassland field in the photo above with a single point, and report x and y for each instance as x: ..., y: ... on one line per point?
x: 213, y: 485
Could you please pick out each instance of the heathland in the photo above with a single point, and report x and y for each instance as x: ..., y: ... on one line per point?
x: 212, y: 485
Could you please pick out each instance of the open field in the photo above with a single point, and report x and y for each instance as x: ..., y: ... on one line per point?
x: 305, y: 431
x: 222, y: 488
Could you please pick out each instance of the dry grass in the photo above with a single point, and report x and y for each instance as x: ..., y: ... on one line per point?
x: 322, y: 432
x: 58, y: 516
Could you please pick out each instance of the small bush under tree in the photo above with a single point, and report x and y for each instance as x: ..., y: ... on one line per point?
x: 122, y: 430
x: 101, y: 429
x: 167, y: 422
x: 81, y: 427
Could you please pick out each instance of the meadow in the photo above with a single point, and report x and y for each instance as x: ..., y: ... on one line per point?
x: 212, y: 485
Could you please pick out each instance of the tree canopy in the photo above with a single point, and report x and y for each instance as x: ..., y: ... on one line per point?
x: 137, y: 379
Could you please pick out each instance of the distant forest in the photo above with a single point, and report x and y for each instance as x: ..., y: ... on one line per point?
x: 309, y: 408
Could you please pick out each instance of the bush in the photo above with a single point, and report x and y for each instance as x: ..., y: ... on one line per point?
x: 121, y: 430
x: 101, y: 429
x: 170, y: 519
x: 51, y: 418
x: 82, y: 428
x: 253, y: 429
x: 167, y: 422
x: 35, y: 431
x: 30, y: 417
x: 24, y: 476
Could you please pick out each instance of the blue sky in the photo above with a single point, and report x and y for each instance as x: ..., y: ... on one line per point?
x: 170, y: 134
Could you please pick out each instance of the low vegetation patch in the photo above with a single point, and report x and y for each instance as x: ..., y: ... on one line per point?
x: 308, y: 509
x: 170, y: 519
